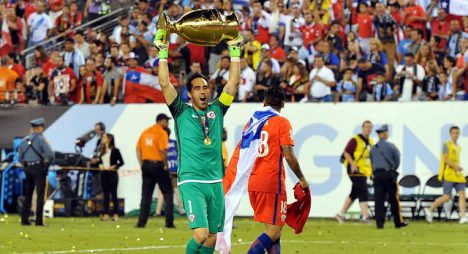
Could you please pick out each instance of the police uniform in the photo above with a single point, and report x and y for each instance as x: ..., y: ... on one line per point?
x: 35, y: 154
x: 385, y: 159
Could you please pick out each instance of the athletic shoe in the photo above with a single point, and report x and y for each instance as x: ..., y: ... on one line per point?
x: 340, y: 218
x: 366, y: 221
x: 429, y: 216
x: 463, y: 220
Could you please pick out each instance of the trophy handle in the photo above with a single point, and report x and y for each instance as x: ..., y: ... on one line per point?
x: 165, y: 24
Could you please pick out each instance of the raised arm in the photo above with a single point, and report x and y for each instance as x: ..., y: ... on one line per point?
x: 294, y: 164
x: 160, y: 42
x: 234, y: 70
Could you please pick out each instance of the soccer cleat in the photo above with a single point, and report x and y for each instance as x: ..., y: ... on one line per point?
x: 463, y: 220
x: 366, y: 221
x: 340, y: 218
x: 429, y: 216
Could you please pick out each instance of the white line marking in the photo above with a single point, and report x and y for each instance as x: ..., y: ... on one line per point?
x: 245, y: 243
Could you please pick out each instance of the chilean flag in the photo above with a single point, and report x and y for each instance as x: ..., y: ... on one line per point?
x: 238, y: 172
x: 6, y: 37
x: 141, y: 87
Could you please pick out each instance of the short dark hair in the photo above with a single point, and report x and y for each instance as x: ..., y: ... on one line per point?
x: 70, y: 40
x: 451, y: 59
x: 275, y: 96
x: 366, y: 122
x: 193, y: 77
x: 101, y: 125
x: 454, y: 128
x: 409, y: 54
x: 334, y: 22
x: 79, y: 32
x: 226, y: 57
x: 362, y: 60
x: 419, y: 31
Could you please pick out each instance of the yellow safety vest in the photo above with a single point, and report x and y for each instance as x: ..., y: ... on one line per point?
x: 446, y: 172
x: 362, y: 156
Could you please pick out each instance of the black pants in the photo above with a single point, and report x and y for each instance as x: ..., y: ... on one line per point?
x: 36, y: 176
x: 385, y: 185
x: 154, y: 173
x: 109, y: 182
x: 359, y: 188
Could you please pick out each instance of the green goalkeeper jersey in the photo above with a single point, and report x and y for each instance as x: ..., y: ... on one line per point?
x: 199, y: 162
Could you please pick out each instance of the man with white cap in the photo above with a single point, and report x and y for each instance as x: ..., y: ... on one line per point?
x: 266, y: 56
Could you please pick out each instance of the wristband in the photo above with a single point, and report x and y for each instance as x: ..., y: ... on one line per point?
x: 235, y: 59
x: 234, y: 51
x: 163, y: 54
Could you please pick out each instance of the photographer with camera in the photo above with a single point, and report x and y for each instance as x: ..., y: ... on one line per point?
x: 385, y: 159
x: 356, y: 159
x: 408, y: 79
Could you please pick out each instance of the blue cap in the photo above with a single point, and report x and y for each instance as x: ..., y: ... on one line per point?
x: 382, y: 128
x: 37, y: 122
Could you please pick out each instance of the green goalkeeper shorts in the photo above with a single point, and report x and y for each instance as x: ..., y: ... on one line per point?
x: 204, y: 205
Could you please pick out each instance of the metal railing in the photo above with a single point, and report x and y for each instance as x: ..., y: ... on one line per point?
x: 105, y: 23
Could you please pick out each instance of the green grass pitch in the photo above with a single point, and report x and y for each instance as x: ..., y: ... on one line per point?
x: 90, y: 235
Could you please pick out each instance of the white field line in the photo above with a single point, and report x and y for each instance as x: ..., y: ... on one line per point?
x: 142, y: 248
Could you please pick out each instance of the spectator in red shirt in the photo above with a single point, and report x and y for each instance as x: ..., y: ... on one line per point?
x: 51, y: 63
x: 395, y: 12
x: 76, y: 16
x: 16, y: 65
x: 414, y: 16
x: 440, y: 26
x: 91, y: 84
x: 276, y: 51
x: 261, y: 23
x: 312, y: 30
x: 365, y: 31
x: 15, y: 26
x: 144, y: 8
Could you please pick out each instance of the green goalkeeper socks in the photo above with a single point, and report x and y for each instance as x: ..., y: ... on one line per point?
x: 193, y: 247
x: 206, y: 250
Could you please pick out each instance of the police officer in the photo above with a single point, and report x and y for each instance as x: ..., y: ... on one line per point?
x: 385, y: 159
x: 35, y: 154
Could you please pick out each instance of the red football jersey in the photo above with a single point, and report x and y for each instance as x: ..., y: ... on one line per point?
x: 268, y: 171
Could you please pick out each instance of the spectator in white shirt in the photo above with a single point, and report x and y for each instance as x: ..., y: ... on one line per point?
x: 39, y: 25
x: 117, y: 33
x: 408, y: 79
x: 220, y: 77
x: 293, y: 36
x: 321, y: 80
x: 247, y: 81
x: 81, y: 44
x: 73, y: 57
x: 445, y: 90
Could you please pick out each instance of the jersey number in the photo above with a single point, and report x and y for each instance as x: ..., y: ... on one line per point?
x: 284, y: 207
x: 263, y: 149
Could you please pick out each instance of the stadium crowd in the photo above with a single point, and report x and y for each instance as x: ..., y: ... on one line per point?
x: 317, y: 50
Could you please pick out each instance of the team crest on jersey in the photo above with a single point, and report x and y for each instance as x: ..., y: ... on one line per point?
x: 191, y: 217
x: 211, y: 114
x: 283, y: 217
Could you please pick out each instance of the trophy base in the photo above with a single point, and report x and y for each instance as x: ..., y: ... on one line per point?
x: 165, y: 24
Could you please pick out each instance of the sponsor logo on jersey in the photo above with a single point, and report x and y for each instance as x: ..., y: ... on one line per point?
x: 283, y: 217
x: 191, y: 217
x: 211, y: 114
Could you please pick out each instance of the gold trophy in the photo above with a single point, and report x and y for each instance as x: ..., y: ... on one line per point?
x: 201, y: 27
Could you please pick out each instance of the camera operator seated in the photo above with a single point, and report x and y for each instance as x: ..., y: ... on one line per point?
x: 63, y: 83
x: 408, y: 79
x: 220, y: 77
